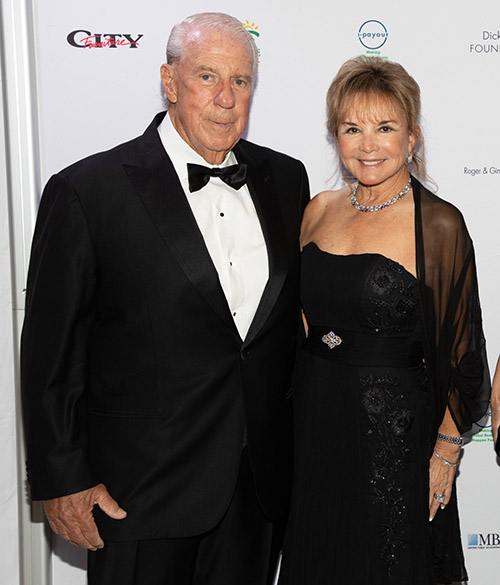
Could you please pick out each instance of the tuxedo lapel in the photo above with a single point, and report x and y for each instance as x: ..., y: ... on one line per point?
x: 262, y: 190
x: 158, y: 186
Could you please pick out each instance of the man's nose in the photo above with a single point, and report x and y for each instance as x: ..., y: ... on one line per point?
x: 225, y: 94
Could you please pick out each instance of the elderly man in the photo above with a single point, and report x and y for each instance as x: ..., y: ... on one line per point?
x: 161, y: 318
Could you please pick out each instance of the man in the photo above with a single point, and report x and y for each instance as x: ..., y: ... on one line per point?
x: 161, y: 319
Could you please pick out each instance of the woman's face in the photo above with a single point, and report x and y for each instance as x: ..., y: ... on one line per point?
x: 374, y: 141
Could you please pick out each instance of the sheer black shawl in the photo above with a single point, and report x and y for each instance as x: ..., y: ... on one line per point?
x: 455, y: 350
x: 454, y: 345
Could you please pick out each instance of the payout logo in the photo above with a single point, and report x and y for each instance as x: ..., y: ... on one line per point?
x: 373, y: 34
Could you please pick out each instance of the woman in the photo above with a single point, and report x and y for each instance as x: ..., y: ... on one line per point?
x: 393, y: 369
x: 495, y: 407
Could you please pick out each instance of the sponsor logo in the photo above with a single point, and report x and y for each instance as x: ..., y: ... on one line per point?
x: 484, y: 44
x: 372, y: 35
x: 252, y: 28
x: 479, y: 541
x: 482, y: 170
x: 84, y: 39
x: 482, y: 429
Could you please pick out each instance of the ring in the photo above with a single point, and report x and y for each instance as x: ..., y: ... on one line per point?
x: 439, y: 498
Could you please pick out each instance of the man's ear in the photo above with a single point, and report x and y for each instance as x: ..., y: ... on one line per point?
x: 167, y: 73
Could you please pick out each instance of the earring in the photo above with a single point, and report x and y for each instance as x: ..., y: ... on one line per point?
x: 409, y: 158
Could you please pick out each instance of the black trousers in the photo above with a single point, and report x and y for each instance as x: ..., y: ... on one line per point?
x: 242, y: 549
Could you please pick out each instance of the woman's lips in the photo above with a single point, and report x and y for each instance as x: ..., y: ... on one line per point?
x: 371, y: 163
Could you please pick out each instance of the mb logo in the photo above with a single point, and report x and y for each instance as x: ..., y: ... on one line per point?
x: 491, y: 540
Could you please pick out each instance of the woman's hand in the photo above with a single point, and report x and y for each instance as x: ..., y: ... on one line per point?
x: 495, y: 402
x: 441, y: 476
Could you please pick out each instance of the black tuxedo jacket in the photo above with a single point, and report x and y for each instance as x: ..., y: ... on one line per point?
x: 133, y: 372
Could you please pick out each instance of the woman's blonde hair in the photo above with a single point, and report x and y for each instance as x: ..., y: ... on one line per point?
x: 373, y: 77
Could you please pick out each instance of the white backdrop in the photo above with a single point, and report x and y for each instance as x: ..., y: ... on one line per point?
x: 92, y: 98
x: 8, y: 476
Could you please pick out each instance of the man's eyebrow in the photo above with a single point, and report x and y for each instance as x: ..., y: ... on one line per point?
x: 205, y: 68
x: 209, y: 69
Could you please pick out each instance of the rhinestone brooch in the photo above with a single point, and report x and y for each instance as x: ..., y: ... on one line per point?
x: 331, y: 339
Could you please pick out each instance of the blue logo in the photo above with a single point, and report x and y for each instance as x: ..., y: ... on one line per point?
x: 473, y: 540
x: 483, y: 541
x: 372, y: 34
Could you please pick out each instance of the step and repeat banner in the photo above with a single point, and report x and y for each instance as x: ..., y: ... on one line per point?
x: 98, y: 85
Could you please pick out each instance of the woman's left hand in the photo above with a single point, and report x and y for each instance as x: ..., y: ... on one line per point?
x: 441, y: 477
x: 495, y: 402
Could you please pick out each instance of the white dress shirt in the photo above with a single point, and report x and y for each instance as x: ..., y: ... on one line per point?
x: 230, y: 227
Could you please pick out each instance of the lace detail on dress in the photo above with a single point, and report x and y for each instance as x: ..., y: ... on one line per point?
x: 394, y: 296
x: 388, y: 425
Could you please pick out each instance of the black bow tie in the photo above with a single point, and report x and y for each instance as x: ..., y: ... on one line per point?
x: 235, y: 176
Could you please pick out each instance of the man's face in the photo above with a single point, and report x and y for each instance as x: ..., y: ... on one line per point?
x: 209, y: 92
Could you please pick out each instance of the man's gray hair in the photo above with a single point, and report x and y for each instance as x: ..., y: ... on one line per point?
x: 205, y: 22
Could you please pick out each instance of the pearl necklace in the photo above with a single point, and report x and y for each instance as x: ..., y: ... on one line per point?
x: 361, y: 207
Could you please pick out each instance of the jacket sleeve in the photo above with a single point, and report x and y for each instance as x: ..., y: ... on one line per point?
x: 305, y: 194
x: 61, y: 292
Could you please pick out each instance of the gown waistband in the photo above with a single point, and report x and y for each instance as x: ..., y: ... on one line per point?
x: 351, y: 348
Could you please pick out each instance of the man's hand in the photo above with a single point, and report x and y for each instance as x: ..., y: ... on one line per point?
x: 71, y: 516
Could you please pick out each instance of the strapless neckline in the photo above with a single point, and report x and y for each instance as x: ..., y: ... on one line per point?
x: 361, y: 255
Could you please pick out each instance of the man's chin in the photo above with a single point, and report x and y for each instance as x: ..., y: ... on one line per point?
x: 217, y: 150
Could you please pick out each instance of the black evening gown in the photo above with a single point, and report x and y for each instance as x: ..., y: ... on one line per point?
x: 360, y: 513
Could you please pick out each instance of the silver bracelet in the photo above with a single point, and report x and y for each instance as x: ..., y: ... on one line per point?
x: 445, y: 461
x: 453, y: 440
